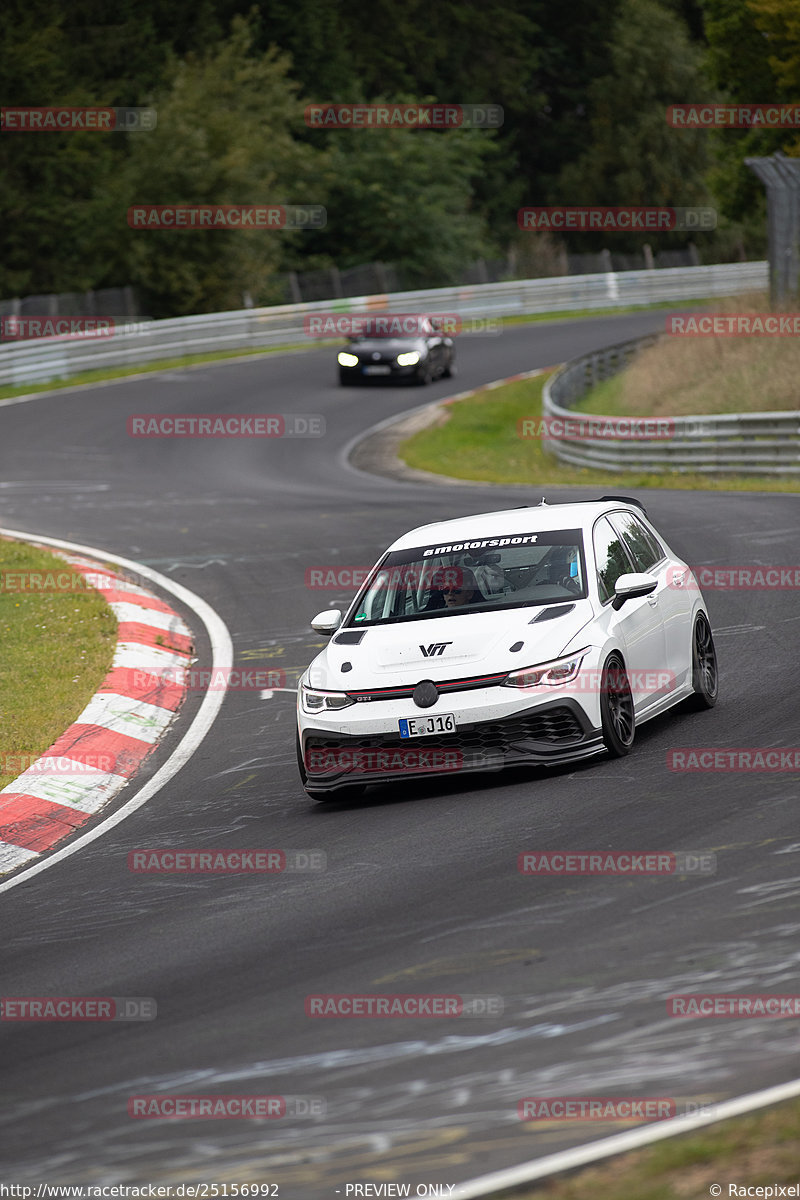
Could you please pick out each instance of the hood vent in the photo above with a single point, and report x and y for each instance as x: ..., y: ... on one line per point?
x: 350, y: 637
x: 547, y: 614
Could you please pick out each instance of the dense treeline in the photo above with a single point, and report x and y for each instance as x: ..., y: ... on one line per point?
x: 584, y: 88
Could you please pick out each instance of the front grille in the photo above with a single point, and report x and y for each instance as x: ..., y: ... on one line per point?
x: 552, y: 727
x: 442, y: 685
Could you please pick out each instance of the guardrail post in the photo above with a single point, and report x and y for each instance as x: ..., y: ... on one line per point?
x: 781, y: 177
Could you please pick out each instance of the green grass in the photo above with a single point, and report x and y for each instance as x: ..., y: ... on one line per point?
x: 479, y: 440
x: 749, y: 1151
x: 56, y: 649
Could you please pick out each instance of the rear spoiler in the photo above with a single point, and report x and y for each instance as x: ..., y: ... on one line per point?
x: 625, y: 500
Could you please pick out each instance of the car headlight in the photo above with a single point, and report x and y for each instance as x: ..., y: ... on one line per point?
x: 347, y: 360
x: 408, y: 360
x: 314, y: 701
x: 551, y: 674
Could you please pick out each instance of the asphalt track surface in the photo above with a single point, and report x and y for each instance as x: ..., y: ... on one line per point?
x: 421, y: 891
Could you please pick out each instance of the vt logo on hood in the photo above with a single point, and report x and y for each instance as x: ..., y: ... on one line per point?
x: 434, y: 648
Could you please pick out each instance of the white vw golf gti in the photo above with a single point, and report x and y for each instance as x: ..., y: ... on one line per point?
x: 532, y: 635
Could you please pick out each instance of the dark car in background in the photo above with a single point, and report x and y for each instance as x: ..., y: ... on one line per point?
x: 419, y: 357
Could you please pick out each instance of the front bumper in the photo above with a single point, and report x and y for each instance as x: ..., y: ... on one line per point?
x: 548, y: 734
x: 354, y: 374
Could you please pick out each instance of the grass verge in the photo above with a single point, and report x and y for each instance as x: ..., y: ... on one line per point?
x: 686, y: 376
x: 478, y: 440
x: 57, y: 648
x: 753, y: 1151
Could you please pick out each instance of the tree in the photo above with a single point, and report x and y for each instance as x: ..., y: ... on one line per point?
x: 224, y: 136
x: 635, y: 157
x: 406, y: 197
x: 752, y: 45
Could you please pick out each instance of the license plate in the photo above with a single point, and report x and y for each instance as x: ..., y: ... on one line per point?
x: 377, y: 370
x: 426, y: 726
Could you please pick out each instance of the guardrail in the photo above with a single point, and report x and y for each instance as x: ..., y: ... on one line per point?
x: 41, y: 361
x: 763, y: 443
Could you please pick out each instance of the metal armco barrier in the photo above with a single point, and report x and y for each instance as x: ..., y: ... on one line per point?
x: 764, y: 443
x: 23, y: 363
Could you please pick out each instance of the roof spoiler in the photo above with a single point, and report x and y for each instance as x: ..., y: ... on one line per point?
x: 626, y: 500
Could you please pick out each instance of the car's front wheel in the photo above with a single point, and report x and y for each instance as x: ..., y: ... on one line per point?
x: 424, y: 375
x: 617, y: 717
x: 704, y: 665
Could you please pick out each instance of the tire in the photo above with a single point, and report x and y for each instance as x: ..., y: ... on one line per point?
x: 424, y: 376
x: 617, y: 717
x: 348, y: 793
x: 450, y: 371
x: 705, y: 676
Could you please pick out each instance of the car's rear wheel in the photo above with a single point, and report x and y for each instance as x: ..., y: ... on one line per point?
x: 348, y: 793
x: 617, y: 716
x: 705, y: 679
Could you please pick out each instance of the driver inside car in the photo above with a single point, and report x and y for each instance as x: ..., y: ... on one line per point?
x: 460, y: 588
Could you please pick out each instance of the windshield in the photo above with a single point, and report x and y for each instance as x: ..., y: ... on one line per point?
x: 487, y: 574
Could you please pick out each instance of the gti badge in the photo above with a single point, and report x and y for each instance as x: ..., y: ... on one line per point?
x: 434, y: 648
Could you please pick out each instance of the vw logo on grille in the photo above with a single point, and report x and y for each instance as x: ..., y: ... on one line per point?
x: 375, y: 356
x: 426, y: 694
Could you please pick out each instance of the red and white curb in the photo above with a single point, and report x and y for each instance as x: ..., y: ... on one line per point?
x: 90, y: 763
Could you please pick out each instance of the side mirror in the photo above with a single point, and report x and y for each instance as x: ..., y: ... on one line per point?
x: 627, y: 587
x: 327, y: 622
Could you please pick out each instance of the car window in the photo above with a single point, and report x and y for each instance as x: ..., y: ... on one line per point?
x: 610, y: 556
x: 639, y: 542
x: 513, y: 571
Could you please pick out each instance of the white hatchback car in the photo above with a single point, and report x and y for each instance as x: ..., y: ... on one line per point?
x: 532, y: 635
